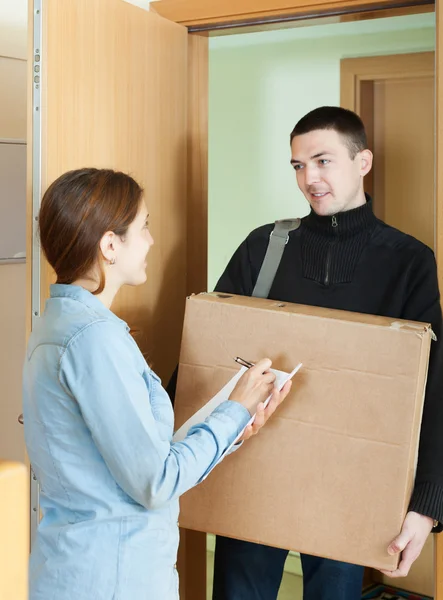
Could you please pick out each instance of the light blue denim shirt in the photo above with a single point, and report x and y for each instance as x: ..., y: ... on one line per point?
x: 98, y: 428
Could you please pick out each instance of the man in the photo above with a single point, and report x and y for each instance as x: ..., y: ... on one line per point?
x: 342, y: 257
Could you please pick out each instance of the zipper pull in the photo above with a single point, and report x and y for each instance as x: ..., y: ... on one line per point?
x: 334, y: 221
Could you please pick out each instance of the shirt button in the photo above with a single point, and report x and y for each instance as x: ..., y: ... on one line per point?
x: 175, y: 566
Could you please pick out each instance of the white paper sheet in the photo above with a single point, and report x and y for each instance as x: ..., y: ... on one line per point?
x: 199, y: 417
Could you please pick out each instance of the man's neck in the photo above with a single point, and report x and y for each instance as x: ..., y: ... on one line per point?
x: 359, y: 200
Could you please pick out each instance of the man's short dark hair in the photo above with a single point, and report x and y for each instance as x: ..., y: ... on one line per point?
x: 345, y: 122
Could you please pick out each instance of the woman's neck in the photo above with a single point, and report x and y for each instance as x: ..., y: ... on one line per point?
x: 106, y: 296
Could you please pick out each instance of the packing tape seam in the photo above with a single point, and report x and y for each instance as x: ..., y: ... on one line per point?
x: 398, y: 325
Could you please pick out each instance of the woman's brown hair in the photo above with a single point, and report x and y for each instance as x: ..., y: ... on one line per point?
x: 77, y: 210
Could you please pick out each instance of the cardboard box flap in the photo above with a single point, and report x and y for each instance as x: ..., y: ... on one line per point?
x: 314, y: 311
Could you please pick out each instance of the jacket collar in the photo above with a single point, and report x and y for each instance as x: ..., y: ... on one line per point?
x: 345, y: 223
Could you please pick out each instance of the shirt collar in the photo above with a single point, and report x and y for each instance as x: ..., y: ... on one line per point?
x: 76, y: 292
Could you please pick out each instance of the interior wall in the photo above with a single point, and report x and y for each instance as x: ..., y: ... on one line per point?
x: 260, y: 85
x: 13, y: 98
x: 13, y: 49
x: 13, y: 29
x: 12, y: 348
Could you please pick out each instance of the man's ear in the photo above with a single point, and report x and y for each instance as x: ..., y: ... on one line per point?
x: 366, y: 159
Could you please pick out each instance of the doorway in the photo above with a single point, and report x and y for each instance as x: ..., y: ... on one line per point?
x: 261, y: 84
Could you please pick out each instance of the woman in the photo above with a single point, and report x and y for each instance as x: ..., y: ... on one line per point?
x: 98, y: 423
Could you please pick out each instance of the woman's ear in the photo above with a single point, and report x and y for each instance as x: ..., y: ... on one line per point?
x: 107, y: 247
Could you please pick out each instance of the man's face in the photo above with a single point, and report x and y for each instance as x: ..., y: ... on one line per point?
x: 329, y: 178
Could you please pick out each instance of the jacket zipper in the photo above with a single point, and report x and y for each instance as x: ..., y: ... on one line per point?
x: 328, y: 256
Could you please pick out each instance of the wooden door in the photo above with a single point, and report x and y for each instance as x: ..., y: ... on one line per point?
x: 404, y: 154
x: 112, y: 79
x: 109, y: 86
x: 394, y: 95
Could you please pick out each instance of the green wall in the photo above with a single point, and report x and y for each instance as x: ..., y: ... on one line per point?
x: 260, y: 85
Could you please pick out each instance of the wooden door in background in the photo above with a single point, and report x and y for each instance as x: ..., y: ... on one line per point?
x: 395, y: 96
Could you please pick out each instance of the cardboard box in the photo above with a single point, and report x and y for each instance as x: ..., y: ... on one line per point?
x: 332, y: 473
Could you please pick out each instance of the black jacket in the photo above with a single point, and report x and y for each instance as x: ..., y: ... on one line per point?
x: 356, y: 262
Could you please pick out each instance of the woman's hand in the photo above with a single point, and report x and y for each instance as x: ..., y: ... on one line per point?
x: 263, y: 413
x: 254, y: 386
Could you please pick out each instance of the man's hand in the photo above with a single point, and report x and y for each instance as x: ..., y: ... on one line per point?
x: 410, y: 542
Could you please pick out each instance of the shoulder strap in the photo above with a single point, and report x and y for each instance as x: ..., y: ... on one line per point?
x: 277, y: 242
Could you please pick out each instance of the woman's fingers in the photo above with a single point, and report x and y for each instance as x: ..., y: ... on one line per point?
x: 277, y: 398
x: 260, y: 418
x: 264, y: 364
x: 263, y: 414
x: 268, y: 377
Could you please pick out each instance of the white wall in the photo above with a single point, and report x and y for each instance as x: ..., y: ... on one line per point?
x: 260, y: 85
x: 141, y: 3
x: 12, y: 348
x: 13, y: 28
x: 13, y: 38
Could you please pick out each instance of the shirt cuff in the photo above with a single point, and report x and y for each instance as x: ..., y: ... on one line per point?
x: 427, y: 500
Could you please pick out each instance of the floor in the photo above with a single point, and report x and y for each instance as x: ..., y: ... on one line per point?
x: 291, y: 587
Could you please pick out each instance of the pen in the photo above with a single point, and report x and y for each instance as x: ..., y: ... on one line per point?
x: 243, y: 362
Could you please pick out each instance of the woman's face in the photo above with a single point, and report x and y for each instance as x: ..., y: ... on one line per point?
x: 132, y: 250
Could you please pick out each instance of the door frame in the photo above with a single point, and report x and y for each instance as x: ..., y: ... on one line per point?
x: 199, y: 15
x: 206, y: 18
